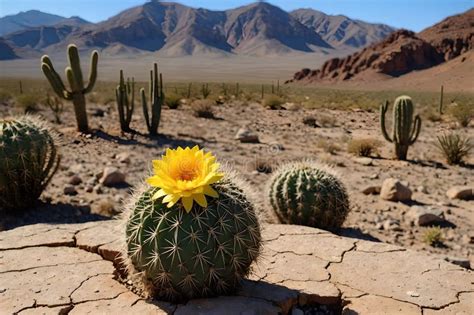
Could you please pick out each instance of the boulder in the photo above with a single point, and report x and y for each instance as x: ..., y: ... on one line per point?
x: 394, y: 190
x: 460, y: 192
x: 423, y: 216
x: 371, y: 190
x: 112, y: 177
x: 246, y: 135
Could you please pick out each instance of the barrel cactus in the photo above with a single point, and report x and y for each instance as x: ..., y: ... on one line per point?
x: 28, y: 161
x: 405, y: 128
x: 77, y: 91
x: 306, y: 193
x: 185, y: 245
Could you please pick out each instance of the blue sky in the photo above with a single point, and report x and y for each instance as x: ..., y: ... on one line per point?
x: 411, y: 14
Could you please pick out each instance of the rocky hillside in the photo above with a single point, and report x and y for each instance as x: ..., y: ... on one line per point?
x: 402, y: 52
x: 452, y: 36
x: 32, y: 18
x: 339, y: 30
x: 174, y: 29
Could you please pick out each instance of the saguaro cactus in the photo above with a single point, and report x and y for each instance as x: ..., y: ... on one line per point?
x: 125, y: 95
x: 157, y: 99
x: 78, y: 89
x: 405, y: 129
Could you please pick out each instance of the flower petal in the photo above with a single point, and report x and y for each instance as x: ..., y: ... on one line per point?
x: 201, y: 200
x: 187, y: 203
x: 208, y: 190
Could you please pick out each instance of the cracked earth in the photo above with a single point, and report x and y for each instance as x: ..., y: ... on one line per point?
x: 75, y: 269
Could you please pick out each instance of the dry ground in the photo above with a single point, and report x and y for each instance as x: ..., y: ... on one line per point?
x: 283, y: 137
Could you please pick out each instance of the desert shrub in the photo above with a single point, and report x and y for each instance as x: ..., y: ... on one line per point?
x: 454, y: 147
x: 431, y: 114
x: 203, y: 109
x: 28, y: 103
x: 263, y: 165
x: 433, y: 236
x: 4, y: 96
x: 462, y: 113
x: 56, y: 106
x: 310, y: 121
x: 327, y: 121
x: 328, y: 146
x: 172, y: 101
x: 363, y: 146
x: 273, y: 102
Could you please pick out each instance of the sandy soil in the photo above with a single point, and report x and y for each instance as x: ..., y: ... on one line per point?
x: 283, y: 137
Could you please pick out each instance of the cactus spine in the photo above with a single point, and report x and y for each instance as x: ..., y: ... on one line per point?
x: 157, y: 98
x: 78, y: 89
x: 125, y: 95
x: 308, y: 194
x: 203, y: 253
x: 405, y: 129
x: 28, y: 161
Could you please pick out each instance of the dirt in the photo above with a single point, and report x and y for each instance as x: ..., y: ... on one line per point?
x: 283, y: 137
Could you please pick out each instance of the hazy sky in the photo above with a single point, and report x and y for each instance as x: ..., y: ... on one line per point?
x: 411, y: 14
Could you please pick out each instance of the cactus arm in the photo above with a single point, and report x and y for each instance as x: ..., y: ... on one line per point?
x: 71, y: 79
x: 416, y: 129
x: 75, y: 65
x: 145, y: 108
x: 131, y: 105
x: 92, y: 72
x: 55, y: 81
x: 383, y: 111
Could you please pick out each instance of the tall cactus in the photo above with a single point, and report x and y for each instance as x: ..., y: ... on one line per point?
x: 78, y: 89
x: 405, y: 128
x: 157, y: 98
x: 125, y: 95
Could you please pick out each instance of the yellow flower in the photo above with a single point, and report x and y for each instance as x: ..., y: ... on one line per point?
x: 185, y: 174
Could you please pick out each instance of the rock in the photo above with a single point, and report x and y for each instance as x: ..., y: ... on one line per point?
x: 460, y: 192
x: 89, y: 189
x: 75, y: 180
x: 467, y: 239
x: 394, y: 190
x: 366, y: 161
x: 111, y: 176
x: 423, y: 216
x: 123, y: 157
x: 98, y: 189
x: 371, y: 190
x: 245, y: 135
x: 422, y: 189
x: 463, y: 262
x: 70, y: 190
x: 391, y: 225
x: 75, y: 169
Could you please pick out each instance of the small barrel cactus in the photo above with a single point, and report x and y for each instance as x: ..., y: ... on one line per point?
x: 28, y: 161
x: 191, y: 249
x: 405, y: 128
x: 308, y: 194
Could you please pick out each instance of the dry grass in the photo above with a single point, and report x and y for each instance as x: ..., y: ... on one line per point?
x: 433, y: 237
x: 172, y: 101
x: 27, y: 103
x: 462, y: 113
x: 203, y: 109
x: 363, y: 147
x: 273, y: 102
x: 328, y: 146
x: 327, y: 121
x: 454, y: 148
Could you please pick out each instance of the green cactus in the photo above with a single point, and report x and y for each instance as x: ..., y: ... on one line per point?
x: 203, y: 253
x: 125, y: 95
x: 157, y: 98
x: 78, y: 89
x: 405, y: 129
x: 308, y: 194
x: 28, y: 161
x: 205, y: 91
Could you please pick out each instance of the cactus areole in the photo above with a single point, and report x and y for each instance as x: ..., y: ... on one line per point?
x: 77, y: 89
x: 193, y: 233
x: 406, y: 128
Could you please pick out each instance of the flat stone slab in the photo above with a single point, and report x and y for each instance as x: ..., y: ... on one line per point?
x: 53, y: 269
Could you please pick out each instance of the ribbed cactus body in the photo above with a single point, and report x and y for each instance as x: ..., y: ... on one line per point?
x: 308, y: 194
x: 77, y: 90
x: 406, y: 128
x: 125, y: 96
x: 203, y: 253
x: 157, y: 98
x: 28, y: 160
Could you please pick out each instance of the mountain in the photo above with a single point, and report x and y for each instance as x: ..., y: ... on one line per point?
x: 339, y: 30
x: 453, y: 36
x: 6, y: 51
x: 172, y: 29
x: 401, y: 53
x: 25, y: 20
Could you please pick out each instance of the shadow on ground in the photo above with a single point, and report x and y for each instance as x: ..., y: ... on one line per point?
x: 45, y: 212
